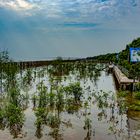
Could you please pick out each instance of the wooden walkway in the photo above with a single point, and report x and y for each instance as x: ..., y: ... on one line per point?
x: 122, y: 79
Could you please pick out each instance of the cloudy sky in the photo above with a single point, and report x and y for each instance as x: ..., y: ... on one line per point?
x: 43, y: 29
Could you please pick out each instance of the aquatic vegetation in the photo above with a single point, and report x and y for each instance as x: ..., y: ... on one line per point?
x: 101, y: 99
x: 137, y: 95
x: 60, y: 101
x: 130, y: 99
x: 11, y: 116
x: 41, y: 114
x: 15, y: 117
x: 2, y: 116
x: 75, y: 90
x: 56, y: 134
x: 53, y: 121
x: 72, y: 106
x: 88, y: 127
x: 87, y: 124
x: 61, y: 97
x: 27, y: 79
x: 123, y: 93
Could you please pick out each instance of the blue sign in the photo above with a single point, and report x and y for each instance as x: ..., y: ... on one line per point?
x: 134, y: 54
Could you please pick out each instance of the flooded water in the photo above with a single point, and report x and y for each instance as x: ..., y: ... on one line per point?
x: 96, y: 115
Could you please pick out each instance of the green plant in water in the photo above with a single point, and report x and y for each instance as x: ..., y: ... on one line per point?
x: 60, y: 101
x: 41, y: 114
x: 88, y: 124
x: 55, y: 134
x: 137, y: 95
x: 52, y: 97
x: 2, y: 117
x: 42, y: 95
x: 101, y: 99
x: 122, y: 93
x: 74, y: 89
x: 88, y: 127
x: 53, y: 121
x: 40, y: 103
x: 14, y: 95
x: 71, y: 106
x: 15, y: 118
x: 34, y: 100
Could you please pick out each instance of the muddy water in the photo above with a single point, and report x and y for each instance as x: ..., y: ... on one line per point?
x: 107, y: 122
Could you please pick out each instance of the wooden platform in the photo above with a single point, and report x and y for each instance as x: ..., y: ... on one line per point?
x: 122, y: 79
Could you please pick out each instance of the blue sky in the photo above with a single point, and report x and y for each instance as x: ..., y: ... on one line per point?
x: 42, y: 29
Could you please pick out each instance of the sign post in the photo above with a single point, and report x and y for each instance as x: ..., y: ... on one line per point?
x: 134, y: 55
x: 134, y: 58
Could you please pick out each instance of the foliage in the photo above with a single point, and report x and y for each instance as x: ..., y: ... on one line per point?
x: 75, y: 90
x: 122, y: 93
x: 41, y: 114
x: 137, y: 95
x: 14, y: 115
x: 88, y: 124
x: 123, y: 59
x: 50, y: 103
x: 53, y: 121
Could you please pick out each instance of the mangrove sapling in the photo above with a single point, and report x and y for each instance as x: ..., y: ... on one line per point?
x: 42, y: 93
x: 15, y: 119
x: 88, y: 127
x: 53, y: 121
x: 41, y: 111
x: 2, y: 117
x: 27, y: 79
x: 25, y: 100
x: 41, y: 114
x: 14, y: 110
x: 41, y: 117
x: 87, y: 121
x: 14, y: 95
x: 86, y: 108
x: 34, y: 100
x: 52, y: 98
x: 4, y: 59
x: 38, y: 132
x: 60, y: 99
x: 122, y: 107
x: 114, y: 121
x: 35, y: 73
x: 75, y: 90
x: 102, y: 102
x: 11, y: 71
x: 101, y: 99
x: 137, y: 95
x: 55, y: 134
x: 71, y: 106
x: 122, y: 93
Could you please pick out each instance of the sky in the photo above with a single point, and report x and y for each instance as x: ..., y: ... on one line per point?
x: 45, y: 29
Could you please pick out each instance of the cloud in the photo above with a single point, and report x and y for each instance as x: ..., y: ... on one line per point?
x: 58, y: 8
x: 37, y: 28
x: 95, y: 9
x: 77, y: 25
x: 22, y: 7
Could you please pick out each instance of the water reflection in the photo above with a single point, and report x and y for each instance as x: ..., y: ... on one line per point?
x: 64, y: 98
